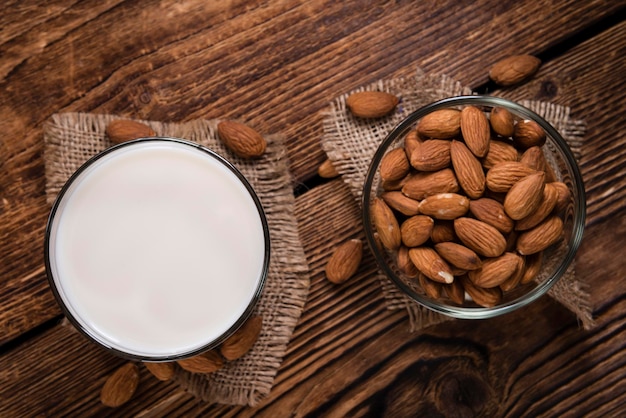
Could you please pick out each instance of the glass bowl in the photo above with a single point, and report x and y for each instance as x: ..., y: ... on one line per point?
x: 554, y: 260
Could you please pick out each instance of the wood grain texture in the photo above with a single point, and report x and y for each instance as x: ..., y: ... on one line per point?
x: 276, y: 65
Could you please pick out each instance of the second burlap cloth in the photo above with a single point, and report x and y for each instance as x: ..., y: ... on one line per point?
x: 351, y: 142
x: 73, y: 138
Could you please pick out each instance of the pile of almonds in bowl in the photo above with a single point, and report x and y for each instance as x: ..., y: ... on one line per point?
x: 474, y: 206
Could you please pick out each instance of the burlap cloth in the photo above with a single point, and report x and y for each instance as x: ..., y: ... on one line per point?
x: 351, y: 142
x: 72, y: 138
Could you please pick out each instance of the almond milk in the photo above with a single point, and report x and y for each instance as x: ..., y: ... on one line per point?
x: 157, y: 249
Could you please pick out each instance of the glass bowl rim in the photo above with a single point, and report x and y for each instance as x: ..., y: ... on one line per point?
x: 579, y: 206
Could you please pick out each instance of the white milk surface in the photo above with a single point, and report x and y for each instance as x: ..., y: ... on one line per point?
x: 158, y: 249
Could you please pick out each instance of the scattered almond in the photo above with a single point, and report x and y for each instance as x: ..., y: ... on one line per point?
x: 514, y: 69
x: 327, y: 170
x: 241, y: 139
x: 163, y: 371
x: 207, y: 362
x: 344, y: 262
x: 371, y: 104
x: 122, y: 130
x: 120, y: 387
x: 242, y: 340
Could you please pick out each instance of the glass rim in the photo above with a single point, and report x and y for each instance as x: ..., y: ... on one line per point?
x: 579, y: 210
x: 92, y: 335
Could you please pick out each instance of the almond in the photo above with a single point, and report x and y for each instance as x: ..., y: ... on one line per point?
x: 440, y: 124
x: 528, y: 134
x: 394, y: 165
x: 491, y: 212
x: 394, y: 185
x: 431, y: 155
x: 122, y: 130
x: 532, y: 267
x: 514, y: 69
x: 475, y: 130
x: 515, y: 278
x: 468, y: 170
x: 386, y: 224
x: 431, y: 264
x: 455, y: 292
x: 344, y: 262
x: 495, y: 271
x: 483, y: 238
x: 241, y: 139
x: 563, y: 195
x: 548, y: 202
x: 540, y: 237
x: 499, y: 151
x: 443, y: 231
x: 503, y: 175
x: 120, y: 387
x: 534, y: 158
x: 424, y: 184
x: 163, y: 371
x: 371, y: 104
x: 458, y: 255
x: 432, y: 288
x: 411, y: 142
x: 416, y: 230
x: 242, y: 340
x: 405, y: 264
x: 445, y: 206
x: 525, y: 196
x: 327, y: 170
x: 485, y: 297
x: 399, y: 202
x: 207, y: 362
x: 502, y: 121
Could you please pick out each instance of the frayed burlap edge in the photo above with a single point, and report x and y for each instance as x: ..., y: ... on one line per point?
x: 72, y: 138
x: 350, y: 143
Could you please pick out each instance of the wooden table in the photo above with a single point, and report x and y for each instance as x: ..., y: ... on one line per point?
x: 276, y: 65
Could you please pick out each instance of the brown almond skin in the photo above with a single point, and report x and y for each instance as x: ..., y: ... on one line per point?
x: 502, y: 176
x: 540, y: 237
x: 468, y: 170
x: 411, y: 142
x: 528, y: 134
x: 120, y: 387
x: 431, y: 155
x: 405, y: 264
x: 502, y: 121
x: 394, y: 165
x: 430, y: 263
x: 416, y: 230
x: 563, y: 195
x: 547, y: 205
x: 241, y: 139
x: 445, y: 206
x: 525, y: 196
x: 499, y: 151
x: 242, y: 340
x: 476, y: 130
x: 163, y: 371
x: 458, y: 255
x: 479, y: 236
x: 485, y: 297
x: 122, y: 130
x: 386, y: 224
x: 495, y: 270
x: 455, y: 292
x: 515, y: 278
x: 432, y: 288
x: 327, y: 170
x: 533, y: 264
x: 207, y: 362
x: 443, y: 231
x: 399, y: 202
x: 440, y: 124
x: 491, y: 212
x: 344, y: 262
x: 371, y: 104
x: 514, y: 69
x: 424, y: 184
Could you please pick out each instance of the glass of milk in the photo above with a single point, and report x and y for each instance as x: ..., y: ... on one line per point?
x: 157, y: 249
